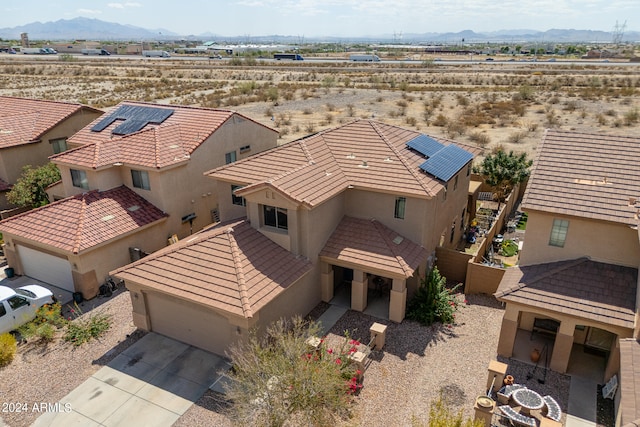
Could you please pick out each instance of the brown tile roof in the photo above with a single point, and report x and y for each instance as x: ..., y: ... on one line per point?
x: 585, y: 175
x: 83, y: 221
x: 154, y: 146
x: 374, y: 247
x: 364, y: 153
x: 629, y: 381
x: 581, y: 287
x: 231, y: 267
x: 23, y: 121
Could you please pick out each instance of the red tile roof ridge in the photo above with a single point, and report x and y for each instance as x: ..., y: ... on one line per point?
x: 242, y: 283
x: 412, y: 170
x: 383, y: 231
x: 547, y: 273
x: 50, y: 101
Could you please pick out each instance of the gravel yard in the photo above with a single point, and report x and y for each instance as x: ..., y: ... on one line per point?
x: 415, y: 366
x: 46, y: 373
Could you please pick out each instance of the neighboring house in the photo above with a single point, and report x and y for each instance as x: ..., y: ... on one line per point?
x: 157, y: 153
x: 357, y: 209
x: 31, y: 131
x: 579, y: 265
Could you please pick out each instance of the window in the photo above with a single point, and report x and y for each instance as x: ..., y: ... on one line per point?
x: 140, y: 179
x: 237, y: 200
x: 79, y: 179
x: 455, y: 183
x: 401, y: 203
x: 275, y: 217
x: 230, y: 157
x: 16, y: 302
x: 3, y: 310
x: 245, y: 149
x: 59, y: 145
x: 559, y: 232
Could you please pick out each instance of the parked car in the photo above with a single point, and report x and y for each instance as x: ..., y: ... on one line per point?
x: 19, y: 306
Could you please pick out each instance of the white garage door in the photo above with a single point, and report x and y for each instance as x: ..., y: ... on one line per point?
x: 47, y: 268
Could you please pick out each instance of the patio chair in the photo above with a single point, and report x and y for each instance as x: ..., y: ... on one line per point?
x: 516, y: 417
x: 551, y: 409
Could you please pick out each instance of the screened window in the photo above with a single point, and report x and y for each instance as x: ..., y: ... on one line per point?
x: 79, y: 179
x: 275, y: 217
x: 140, y: 179
x: 559, y: 232
x: 401, y: 203
x: 230, y: 157
x: 237, y: 200
x: 59, y: 145
x: 245, y: 149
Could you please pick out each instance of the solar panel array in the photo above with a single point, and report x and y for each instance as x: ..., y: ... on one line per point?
x: 135, y: 117
x: 425, y: 145
x: 447, y: 162
x: 443, y: 161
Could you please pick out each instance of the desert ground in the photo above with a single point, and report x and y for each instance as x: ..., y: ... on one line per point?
x: 493, y: 104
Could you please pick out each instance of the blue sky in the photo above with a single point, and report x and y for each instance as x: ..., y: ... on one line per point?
x: 342, y: 18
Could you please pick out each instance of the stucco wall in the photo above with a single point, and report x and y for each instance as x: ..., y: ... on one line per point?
x: 452, y: 264
x: 599, y: 240
x: 482, y: 279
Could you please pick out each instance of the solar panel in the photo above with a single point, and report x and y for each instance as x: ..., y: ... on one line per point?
x: 447, y: 162
x: 425, y: 145
x: 135, y: 117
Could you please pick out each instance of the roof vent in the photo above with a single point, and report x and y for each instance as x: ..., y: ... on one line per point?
x: 107, y: 218
x: 364, y: 164
x: 327, y: 173
x: 398, y: 240
x: 388, y: 160
x: 133, y: 208
x: 632, y: 201
x: 351, y: 156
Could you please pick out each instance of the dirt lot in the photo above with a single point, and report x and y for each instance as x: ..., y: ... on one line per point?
x: 493, y: 104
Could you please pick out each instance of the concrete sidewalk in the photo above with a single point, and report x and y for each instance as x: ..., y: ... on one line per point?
x: 582, y: 402
x: 152, y: 383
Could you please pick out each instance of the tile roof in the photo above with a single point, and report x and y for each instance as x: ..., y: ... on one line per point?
x: 581, y: 287
x: 230, y: 267
x: 375, y: 247
x: 83, y: 221
x: 585, y: 175
x: 629, y: 381
x: 23, y: 121
x: 364, y: 153
x: 154, y: 146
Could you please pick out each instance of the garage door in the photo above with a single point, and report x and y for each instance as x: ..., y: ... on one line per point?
x: 46, y: 268
x: 189, y: 323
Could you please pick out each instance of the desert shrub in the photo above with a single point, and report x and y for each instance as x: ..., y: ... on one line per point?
x: 433, y: 301
x: 310, y: 127
x: 307, y: 111
x: 463, y: 100
x: 84, y: 329
x: 43, y: 327
x: 8, y: 347
x: 455, y: 128
x: 631, y: 117
x: 351, y: 110
x: 480, y: 138
x: 268, y: 112
x: 570, y: 106
x: 278, y: 379
x: 441, y: 415
x: 441, y: 120
x: 517, y: 137
x: 602, y: 120
x: 525, y: 93
x: 411, y: 121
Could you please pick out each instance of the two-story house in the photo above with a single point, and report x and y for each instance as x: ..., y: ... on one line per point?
x: 133, y: 180
x: 31, y: 131
x: 578, y: 272
x: 361, y: 206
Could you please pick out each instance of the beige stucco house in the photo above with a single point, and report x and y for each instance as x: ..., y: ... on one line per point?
x: 578, y: 272
x: 157, y: 156
x: 31, y: 131
x: 358, y: 209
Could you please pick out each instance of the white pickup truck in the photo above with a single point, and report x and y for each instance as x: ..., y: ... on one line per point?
x: 19, y: 306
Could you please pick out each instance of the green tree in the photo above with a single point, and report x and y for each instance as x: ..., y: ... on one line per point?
x: 502, y: 171
x: 29, y: 190
x: 278, y: 379
x: 433, y: 301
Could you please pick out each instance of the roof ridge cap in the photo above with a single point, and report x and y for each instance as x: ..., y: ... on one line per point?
x: 404, y: 161
x: 78, y: 236
x: 242, y: 284
x: 381, y: 228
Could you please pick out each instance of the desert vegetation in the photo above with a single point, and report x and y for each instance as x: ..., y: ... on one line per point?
x: 505, y: 105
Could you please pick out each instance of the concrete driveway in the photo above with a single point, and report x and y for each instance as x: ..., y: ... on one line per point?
x: 152, y: 383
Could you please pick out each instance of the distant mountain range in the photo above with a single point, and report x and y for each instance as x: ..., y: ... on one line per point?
x: 95, y: 29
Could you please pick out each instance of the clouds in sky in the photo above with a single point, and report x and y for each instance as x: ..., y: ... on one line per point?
x: 336, y: 17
